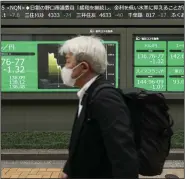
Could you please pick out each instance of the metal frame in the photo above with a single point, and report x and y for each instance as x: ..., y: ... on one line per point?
x: 92, y: 22
x: 140, y: 31
x: 65, y: 95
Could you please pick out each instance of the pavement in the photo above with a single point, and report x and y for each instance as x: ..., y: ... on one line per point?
x: 59, y: 154
x: 56, y: 173
x: 38, y: 163
x: 178, y: 164
x: 31, y: 172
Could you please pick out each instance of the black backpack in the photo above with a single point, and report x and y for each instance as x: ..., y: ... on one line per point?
x: 152, y: 127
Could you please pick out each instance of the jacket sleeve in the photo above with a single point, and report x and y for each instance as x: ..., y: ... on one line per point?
x: 113, y: 118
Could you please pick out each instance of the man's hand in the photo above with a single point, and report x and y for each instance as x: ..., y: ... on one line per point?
x: 64, y: 176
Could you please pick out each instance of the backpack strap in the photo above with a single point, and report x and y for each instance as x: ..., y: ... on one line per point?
x: 99, y: 88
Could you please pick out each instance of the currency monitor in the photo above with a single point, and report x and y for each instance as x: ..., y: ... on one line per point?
x: 31, y: 63
x: 159, y: 63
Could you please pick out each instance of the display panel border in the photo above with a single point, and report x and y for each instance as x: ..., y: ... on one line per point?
x: 66, y: 95
x: 130, y: 50
x: 92, y: 22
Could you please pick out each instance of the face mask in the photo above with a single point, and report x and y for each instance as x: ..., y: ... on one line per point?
x: 66, y: 76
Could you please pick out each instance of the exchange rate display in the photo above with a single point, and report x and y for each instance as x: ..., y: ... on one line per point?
x: 36, y: 66
x: 159, y: 63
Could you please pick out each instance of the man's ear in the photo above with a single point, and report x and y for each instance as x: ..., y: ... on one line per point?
x: 85, y: 66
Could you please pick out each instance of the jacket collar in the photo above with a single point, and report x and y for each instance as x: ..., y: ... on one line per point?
x: 85, y: 87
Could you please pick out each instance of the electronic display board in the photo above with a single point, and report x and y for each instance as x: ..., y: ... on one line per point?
x: 92, y: 13
x: 158, y: 62
x: 31, y: 63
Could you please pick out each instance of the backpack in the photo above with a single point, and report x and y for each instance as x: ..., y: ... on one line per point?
x: 151, y: 124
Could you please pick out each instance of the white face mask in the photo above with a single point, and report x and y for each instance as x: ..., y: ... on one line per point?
x: 66, y: 76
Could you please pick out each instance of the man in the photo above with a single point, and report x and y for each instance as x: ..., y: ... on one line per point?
x: 101, y: 144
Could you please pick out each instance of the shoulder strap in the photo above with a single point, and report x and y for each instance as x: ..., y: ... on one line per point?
x: 91, y: 93
x: 99, y: 88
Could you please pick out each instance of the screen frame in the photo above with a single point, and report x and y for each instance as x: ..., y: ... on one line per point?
x: 93, y: 22
x: 130, y: 51
x: 67, y: 31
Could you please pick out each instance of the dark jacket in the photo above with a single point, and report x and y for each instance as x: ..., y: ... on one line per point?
x: 102, y: 144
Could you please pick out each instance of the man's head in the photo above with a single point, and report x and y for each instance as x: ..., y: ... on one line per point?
x: 85, y: 57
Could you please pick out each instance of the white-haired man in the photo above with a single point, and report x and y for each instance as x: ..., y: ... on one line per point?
x: 101, y: 144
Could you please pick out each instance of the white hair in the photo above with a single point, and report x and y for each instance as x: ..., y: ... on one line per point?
x: 88, y: 48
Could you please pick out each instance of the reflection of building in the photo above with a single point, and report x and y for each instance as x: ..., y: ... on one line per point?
x: 53, y: 67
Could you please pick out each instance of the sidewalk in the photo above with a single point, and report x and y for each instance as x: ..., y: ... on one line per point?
x: 59, y: 154
x: 56, y: 172
x: 31, y: 172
